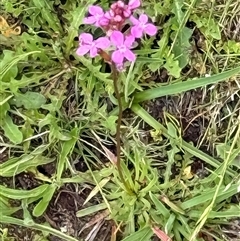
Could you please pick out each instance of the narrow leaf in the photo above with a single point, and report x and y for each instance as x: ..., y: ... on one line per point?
x: 96, y: 189
x: 178, y: 88
x: 42, y: 205
x: 142, y: 235
x: 22, y: 194
x: 90, y: 210
x: 67, y: 148
x: 159, y: 205
x: 17, y: 165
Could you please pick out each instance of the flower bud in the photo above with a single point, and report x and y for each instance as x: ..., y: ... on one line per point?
x: 118, y: 18
x: 120, y: 4
x: 114, y: 6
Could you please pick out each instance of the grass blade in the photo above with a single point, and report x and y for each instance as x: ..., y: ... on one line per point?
x: 183, y: 86
x: 141, y: 235
x: 159, y: 205
x: 204, y: 197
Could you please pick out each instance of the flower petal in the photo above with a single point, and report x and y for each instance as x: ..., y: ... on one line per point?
x: 102, y: 43
x: 150, y: 29
x: 129, y: 40
x: 136, y: 32
x: 103, y: 21
x: 117, y: 38
x: 82, y: 50
x: 134, y: 20
x: 117, y: 57
x: 129, y: 55
x: 93, y: 52
x: 86, y: 38
x: 127, y: 13
x: 89, y: 20
x: 93, y: 10
x: 143, y: 18
x: 134, y: 4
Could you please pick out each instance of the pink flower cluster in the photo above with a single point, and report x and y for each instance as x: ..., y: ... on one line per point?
x: 112, y: 23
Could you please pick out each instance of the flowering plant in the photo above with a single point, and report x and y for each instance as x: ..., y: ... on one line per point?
x: 118, y: 42
x: 122, y: 26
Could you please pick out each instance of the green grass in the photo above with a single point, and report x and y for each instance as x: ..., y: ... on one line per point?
x: 58, y: 115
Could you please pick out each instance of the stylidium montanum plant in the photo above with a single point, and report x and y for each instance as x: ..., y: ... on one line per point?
x: 122, y: 28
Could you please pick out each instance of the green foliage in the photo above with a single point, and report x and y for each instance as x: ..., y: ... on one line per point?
x: 58, y: 109
x: 29, y: 100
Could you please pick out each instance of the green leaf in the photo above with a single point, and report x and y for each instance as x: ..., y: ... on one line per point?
x: 150, y: 60
x: 181, y: 47
x: 17, y: 165
x: 183, y: 86
x: 9, y: 73
x: 91, y: 210
x: 110, y: 124
x: 30, y: 100
x: 172, y: 205
x: 159, y: 205
x: 66, y: 150
x: 162, y: 50
x: 22, y: 194
x: 11, y: 130
x: 56, y: 103
x: 6, y: 208
x: 27, y: 132
x: 208, y: 194
x: 169, y: 223
x: 170, y: 162
x: 208, y: 26
x: 96, y: 189
x: 172, y: 65
x: 42, y: 205
x: 144, y: 234
x: 48, y: 14
x: 8, y: 69
x: 230, y: 213
x: 177, y: 10
x: 4, y: 107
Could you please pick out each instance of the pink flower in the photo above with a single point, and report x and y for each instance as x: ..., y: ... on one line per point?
x: 128, y: 9
x: 96, y: 17
x: 87, y: 44
x: 142, y: 26
x: 123, y: 45
x: 133, y: 4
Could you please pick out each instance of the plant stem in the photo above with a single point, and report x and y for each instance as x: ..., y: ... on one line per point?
x: 118, y: 131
